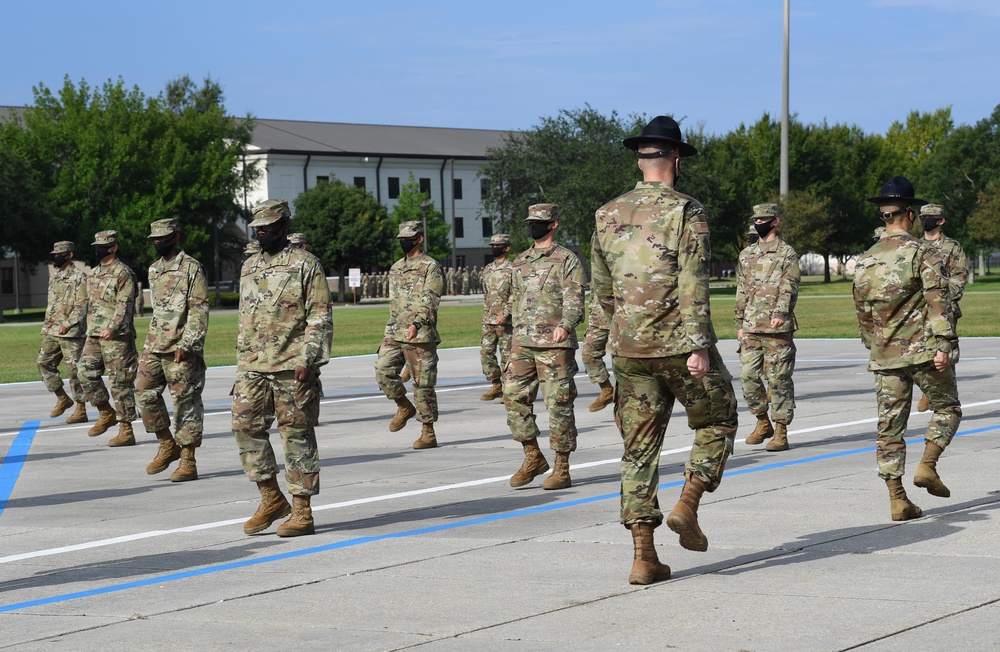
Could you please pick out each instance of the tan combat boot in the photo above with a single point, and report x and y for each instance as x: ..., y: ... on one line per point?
x: 901, y: 507
x: 79, y: 415
x: 105, y: 419
x: 301, y: 522
x: 534, y: 464
x: 926, y: 476
x: 273, y: 505
x: 427, y: 438
x: 496, y: 391
x: 683, y: 519
x: 405, y: 376
x: 606, y: 396
x: 779, y: 442
x: 63, y: 403
x: 404, y: 412
x: 560, y: 475
x: 646, y: 568
x: 761, y: 432
x: 125, y: 436
x: 923, y: 404
x: 168, y: 452
x: 187, y: 470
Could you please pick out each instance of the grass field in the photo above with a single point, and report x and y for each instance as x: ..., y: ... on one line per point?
x: 824, y: 310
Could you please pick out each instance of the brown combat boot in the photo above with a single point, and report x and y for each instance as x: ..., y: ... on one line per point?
x: 168, y: 452
x: 63, y: 403
x: 926, y: 476
x: 187, y: 470
x: 79, y: 415
x: 560, y: 475
x: 405, y: 376
x: 427, y: 438
x: 273, y: 505
x: 301, y: 522
x: 125, y: 436
x: 496, y: 391
x: 404, y: 412
x: 606, y: 396
x: 683, y: 519
x: 646, y: 568
x: 923, y: 404
x: 761, y: 432
x: 779, y: 442
x: 901, y: 507
x: 105, y: 419
x: 534, y: 464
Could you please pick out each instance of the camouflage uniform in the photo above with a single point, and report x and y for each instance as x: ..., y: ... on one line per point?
x: 595, y: 344
x: 111, y: 293
x: 650, y: 277
x: 450, y: 280
x: 415, y: 286
x: 67, y: 306
x: 465, y: 280
x: 546, y: 293
x: 285, y: 322
x: 955, y: 263
x: 767, y: 287
x: 179, y: 297
x: 497, y: 326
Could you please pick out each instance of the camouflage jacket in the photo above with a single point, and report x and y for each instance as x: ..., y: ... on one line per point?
x: 598, y: 328
x: 67, y: 304
x: 901, y: 297
x: 767, y: 286
x: 957, y: 266
x: 111, y: 293
x: 415, y: 286
x: 179, y: 294
x: 496, y: 291
x: 649, y: 264
x: 285, y: 318
x: 546, y: 292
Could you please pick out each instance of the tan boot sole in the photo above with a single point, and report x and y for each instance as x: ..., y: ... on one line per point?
x: 690, y: 537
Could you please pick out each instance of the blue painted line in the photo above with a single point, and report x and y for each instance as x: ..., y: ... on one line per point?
x: 349, y: 543
x: 13, y: 461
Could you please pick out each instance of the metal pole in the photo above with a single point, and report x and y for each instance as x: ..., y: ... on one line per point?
x: 784, y: 112
x: 423, y: 211
x: 17, y: 285
x: 453, y: 212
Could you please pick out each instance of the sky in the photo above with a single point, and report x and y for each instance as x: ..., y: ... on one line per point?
x: 505, y: 65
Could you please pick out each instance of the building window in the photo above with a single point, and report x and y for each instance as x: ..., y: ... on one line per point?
x: 487, y: 227
x: 393, y: 187
x: 7, y: 280
x: 459, y: 261
x: 484, y: 188
x: 457, y: 188
x: 359, y: 182
x: 320, y: 180
x: 425, y: 187
x: 459, y: 227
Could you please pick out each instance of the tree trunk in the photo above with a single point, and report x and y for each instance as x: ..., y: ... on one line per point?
x: 826, y: 267
x: 340, y: 285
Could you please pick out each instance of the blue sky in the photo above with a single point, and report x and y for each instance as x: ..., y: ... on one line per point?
x: 502, y: 65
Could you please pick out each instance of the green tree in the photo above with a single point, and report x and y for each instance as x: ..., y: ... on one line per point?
x: 806, y: 222
x: 984, y: 222
x: 27, y: 225
x: 408, y: 207
x: 346, y: 227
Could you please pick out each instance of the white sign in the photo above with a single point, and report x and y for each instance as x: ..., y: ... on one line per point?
x: 354, y: 277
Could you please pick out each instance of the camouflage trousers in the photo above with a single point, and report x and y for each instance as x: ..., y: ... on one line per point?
x: 770, y: 357
x: 422, y: 360
x: 55, y: 350
x: 555, y: 369
x: 496, y: 339
x: 594, y: 345
x: 644, y: 399
x: 120, y: 359
x: 296, y: 406
x: 894, y: 392
x: 186, y: 380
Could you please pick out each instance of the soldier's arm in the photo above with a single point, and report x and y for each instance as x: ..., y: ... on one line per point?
x: 866, y: 323
x: 572, y: 293
x: 693, y: 254
x: 319, y: 318
x: 427, y: 309
x: 741, y: 291
x: 602, y: 297
x: 78, y: 312
x: 934, y: 279
x: 788, y: 288
x: 958, y: 275
x: 196, y: 327
x: 125, y: 291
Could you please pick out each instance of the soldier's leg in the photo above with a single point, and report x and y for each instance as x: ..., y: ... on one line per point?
x: 556, y: 369
x: 149, y: 385
x: 520, y: 388
x: 251, y: 392
x: 593, y: 360
x: 387, y: 367
x: 423, y: 359
x: 506, y: 332
x: 488, y: 352
x: 90, y: 369
x: 186, y: 380
x: 711, y: 411
x: 296, y: 406
x: 122, y: 361
x: 894, y: 393
x: 49, y: 356
x: 779, y: 364
x: 752, y: 371
x: 72, y: 349
x: 941, y: 389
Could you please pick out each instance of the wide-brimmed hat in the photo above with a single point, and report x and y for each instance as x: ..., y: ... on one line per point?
x: 897, y: 190
x: 661, y: 130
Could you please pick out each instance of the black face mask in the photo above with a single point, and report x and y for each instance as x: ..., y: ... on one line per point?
x: 164, y: 247
x: 763, y: 228
x: 930, y: 223
x: 407, y: 245
x: 272, y: 241
x: 101, y: 251
x: 498, y: 251
x: 59, y: 260
x: 538, y: 230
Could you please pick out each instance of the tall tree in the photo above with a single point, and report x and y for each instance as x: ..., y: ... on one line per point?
x: 408, y: 207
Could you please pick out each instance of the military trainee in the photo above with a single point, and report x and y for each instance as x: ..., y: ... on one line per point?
x: 173, y: 354
x: 110, y: 345
x: 595, y: 344
x: 411, y: 336
x: 957, y: 266
x: 64, y: 331
x: 650, y: 278
x: 546, y: 307
x: 767, y: 287
x: 285, y: 334
x: 497, y: 328
x: 901, y: 297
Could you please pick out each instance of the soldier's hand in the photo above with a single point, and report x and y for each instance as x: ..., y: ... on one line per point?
x: 739, y: 335
x: 559, y: 334
x: 105, y: 335
x: 776, y: 322
x: 411, y: 332
x: 697, y: 363
x: 941, y: 360
x: 301, y: 374
x: 62, y: 330
x: 179, y: 355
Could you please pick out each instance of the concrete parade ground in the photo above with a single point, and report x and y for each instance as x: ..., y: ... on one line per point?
x: 433, y: 550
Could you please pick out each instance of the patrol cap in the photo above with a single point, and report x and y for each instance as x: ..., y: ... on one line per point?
x: 106, y: 238
x: 253, y: 247
x: 765, y: 211
x: 63, y: 247
x: 752, y: 231
x: 270, y: 211
x: 297, y: 238
x: 543, y: 213
x: 410, y: 229
x: 897, y: 190
x: 932, y: 210
x: 501, y: 239
x: 163, y: 228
